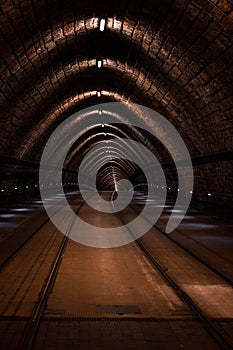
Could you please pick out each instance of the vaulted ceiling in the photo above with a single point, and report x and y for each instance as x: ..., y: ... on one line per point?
x: 174, y: 56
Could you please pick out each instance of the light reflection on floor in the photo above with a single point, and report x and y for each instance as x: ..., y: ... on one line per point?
x: 9, y: 216
x: 186, y: 217
x: 196, y: 225
x: 22, y: 209
x: 207, y: 235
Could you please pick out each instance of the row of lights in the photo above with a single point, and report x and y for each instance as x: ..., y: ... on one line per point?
x: 98, y: 93
x: 73, y: 184
x: 99, y: 62
x: 102, y: 24
x: 99, y: 65
x: 66, y: 184
x: 178, y: 190
x: 16, y: 188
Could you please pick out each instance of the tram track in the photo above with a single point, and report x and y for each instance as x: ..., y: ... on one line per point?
x: 202, y: 261
x: 198, y: 313
x: 34, y: 320
x: 24, y: 242
x: 31, y: 272
x: 38, y: 317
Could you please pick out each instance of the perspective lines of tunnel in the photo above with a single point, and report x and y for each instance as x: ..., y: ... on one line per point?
x: 172, y: 56
x: 116, y: 174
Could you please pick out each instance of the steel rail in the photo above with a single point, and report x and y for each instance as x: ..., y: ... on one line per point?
x: 199, y: 314
x: 202, y: 261
x: 24, y: 242
x: 33, y: 323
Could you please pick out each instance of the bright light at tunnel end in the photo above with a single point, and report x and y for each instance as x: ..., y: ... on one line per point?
x: 133, y: 115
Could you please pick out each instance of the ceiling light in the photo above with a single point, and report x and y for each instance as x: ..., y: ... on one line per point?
x: 102, y: 25
x: 114, y: 22
x: 2, y: 190
x: 209, y: 194
x: 99, y: 63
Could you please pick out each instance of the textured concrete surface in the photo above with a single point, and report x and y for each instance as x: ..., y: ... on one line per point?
x: 114, y: 298
x: 123, y: 335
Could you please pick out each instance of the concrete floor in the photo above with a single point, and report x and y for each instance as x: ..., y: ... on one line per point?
x: 110, y: 298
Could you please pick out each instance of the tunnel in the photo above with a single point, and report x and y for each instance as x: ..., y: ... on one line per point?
x: 116, y: 181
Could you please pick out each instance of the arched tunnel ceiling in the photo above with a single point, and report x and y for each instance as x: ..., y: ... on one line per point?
x: 174, y: 56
